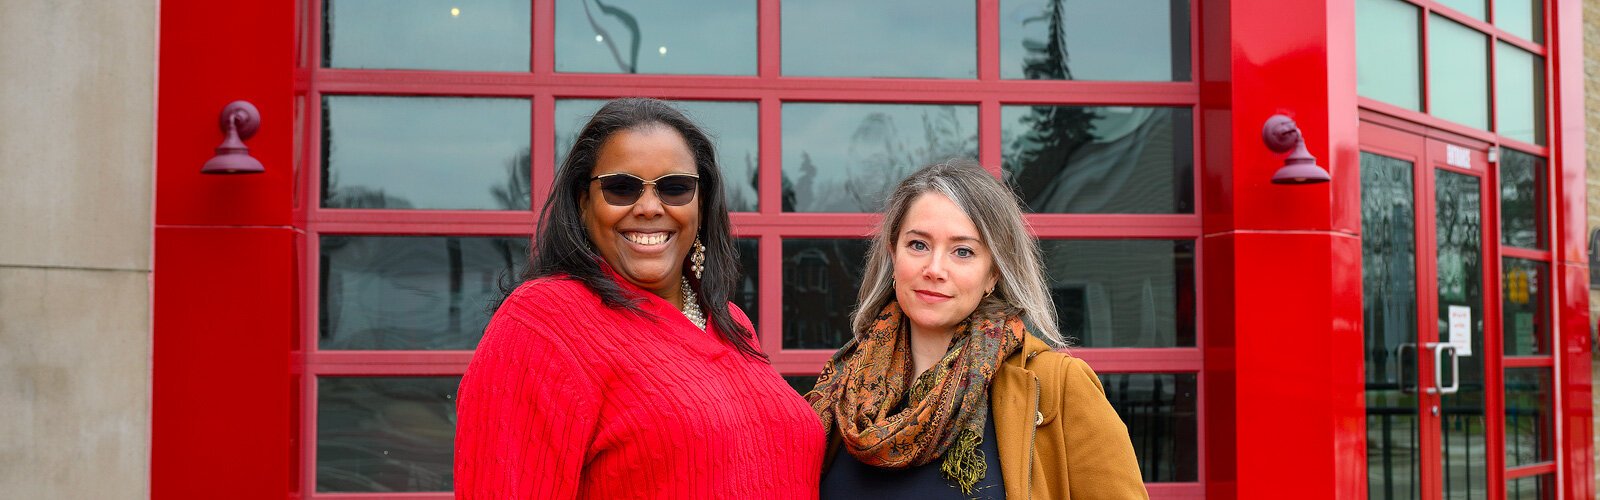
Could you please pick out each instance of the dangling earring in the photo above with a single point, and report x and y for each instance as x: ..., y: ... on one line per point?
x: 698, y: 259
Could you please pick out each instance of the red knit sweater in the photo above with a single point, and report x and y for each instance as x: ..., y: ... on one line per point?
x: 567, y: 398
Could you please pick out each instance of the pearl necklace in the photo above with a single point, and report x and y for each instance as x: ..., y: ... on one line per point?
x: 691, y: 306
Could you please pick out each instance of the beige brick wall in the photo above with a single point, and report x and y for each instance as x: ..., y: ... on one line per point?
x: 1591, y: 102
x: 76, y: 171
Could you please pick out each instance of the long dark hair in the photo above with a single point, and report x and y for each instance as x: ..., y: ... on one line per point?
x: 562, y: 247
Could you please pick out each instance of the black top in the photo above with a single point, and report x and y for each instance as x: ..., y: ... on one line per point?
x: 849, y: 478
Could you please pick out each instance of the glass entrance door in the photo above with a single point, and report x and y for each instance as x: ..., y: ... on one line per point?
x: 1423, y: 216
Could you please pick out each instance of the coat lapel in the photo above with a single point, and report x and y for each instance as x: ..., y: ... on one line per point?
x: 1013, y: 389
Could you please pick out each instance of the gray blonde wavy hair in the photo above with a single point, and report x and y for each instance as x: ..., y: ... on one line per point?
x: 997, y: 213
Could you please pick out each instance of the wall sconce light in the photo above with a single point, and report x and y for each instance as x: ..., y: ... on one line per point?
x: 1282, y: 135
x: 239, y: 121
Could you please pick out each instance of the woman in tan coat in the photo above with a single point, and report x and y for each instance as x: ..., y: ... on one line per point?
x: 948, y: 388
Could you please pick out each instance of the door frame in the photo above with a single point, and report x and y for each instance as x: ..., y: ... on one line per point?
x: 1428, y: 151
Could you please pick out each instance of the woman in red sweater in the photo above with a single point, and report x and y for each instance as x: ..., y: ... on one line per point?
x: 618, y: 368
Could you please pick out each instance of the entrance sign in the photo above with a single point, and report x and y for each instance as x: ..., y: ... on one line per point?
x: 1460, y: 329
x: 1457, y: 156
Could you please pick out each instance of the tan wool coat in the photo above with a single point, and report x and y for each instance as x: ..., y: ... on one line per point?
x: 1057, y: 434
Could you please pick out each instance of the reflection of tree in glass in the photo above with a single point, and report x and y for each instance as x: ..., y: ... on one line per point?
x: 1519, y: 198
x: 516, y: 192
x: 628, y: 21
x: 1387, y: 270
x: 1054, y: 132
x: 879, y: 156
x: 1458, y: 238
x: 736, y: 197
x: 336, y: 196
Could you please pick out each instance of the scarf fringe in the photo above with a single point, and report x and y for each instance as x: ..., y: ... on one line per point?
x: 963, y: 462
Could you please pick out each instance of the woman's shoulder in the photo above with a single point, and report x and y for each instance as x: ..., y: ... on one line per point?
x: 739, y: 317
x: 547, y: 297
x: 1071, y: 372
x: 557, y: 287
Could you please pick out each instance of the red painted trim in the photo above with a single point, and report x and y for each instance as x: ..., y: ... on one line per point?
x: 544, y: 37
x: 1176, y: 491
x: 1493, y: 338
x: 400, y: 217
x: 1439, y: 128
x: 988, y: 33
x: 771, y: 300
x: 1526, y: 254
x: 911, y: 90
x: 989, y: 146
x: 332, y: 357
x: 382, y: 496
x: 769, y: 46
x: 1529, y: 362
x: 1530, y: 470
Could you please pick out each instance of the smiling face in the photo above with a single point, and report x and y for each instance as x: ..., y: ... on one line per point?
x: 645, y: 242
x: 941, y: 268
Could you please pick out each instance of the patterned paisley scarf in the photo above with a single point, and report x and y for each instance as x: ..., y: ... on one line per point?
x: 944, y: 409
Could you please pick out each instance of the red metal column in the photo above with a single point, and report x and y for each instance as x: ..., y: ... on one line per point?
x: 1282, y: 273
x: 1575, y: 409
x: 224, y: 284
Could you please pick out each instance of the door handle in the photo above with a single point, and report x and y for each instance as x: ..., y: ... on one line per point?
x: 1438, y: 368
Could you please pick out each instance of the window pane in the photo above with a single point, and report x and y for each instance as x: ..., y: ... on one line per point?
x: 847, y: 157
x: 1530, y: 424
x: 1522, y: 198
x: 1527, y: 326
x: 1159, y: 410
x: 1388, y: 52
x: 732, y: 126
x: 1519, y: 91
x: 1389, y: 321
x: 1131, y: 40
x: 1118, y: 159
x: 1463, y: 421
x: 925, y: 38
x: 748, y: 295
x: 704, y: 37
x: 1474, y: 8
x: 464, y: 35
x: 425, y: 153
x: 385, y: 434
x: 801, y: 384
x: 1524, y: 18
x: 1458, y: 73
x: 1123, y: 293
x: 820, y: 280
x: 1540, y: 487
x: 412, y: 292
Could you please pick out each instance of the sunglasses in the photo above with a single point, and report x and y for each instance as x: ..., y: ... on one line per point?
x: 622, y: 189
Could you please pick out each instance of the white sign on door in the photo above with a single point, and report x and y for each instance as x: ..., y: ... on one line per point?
x: 1457, y: 156
x: 1461, y: 329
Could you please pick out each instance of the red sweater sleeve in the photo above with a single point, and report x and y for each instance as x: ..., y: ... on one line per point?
x: 526, y: 413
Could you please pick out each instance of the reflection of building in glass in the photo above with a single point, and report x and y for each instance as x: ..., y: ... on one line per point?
x: 820, y: 280
x: 1124, y: 293
x: 385, y: 434
x: 1158, y: 408
x: 411, y: 293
